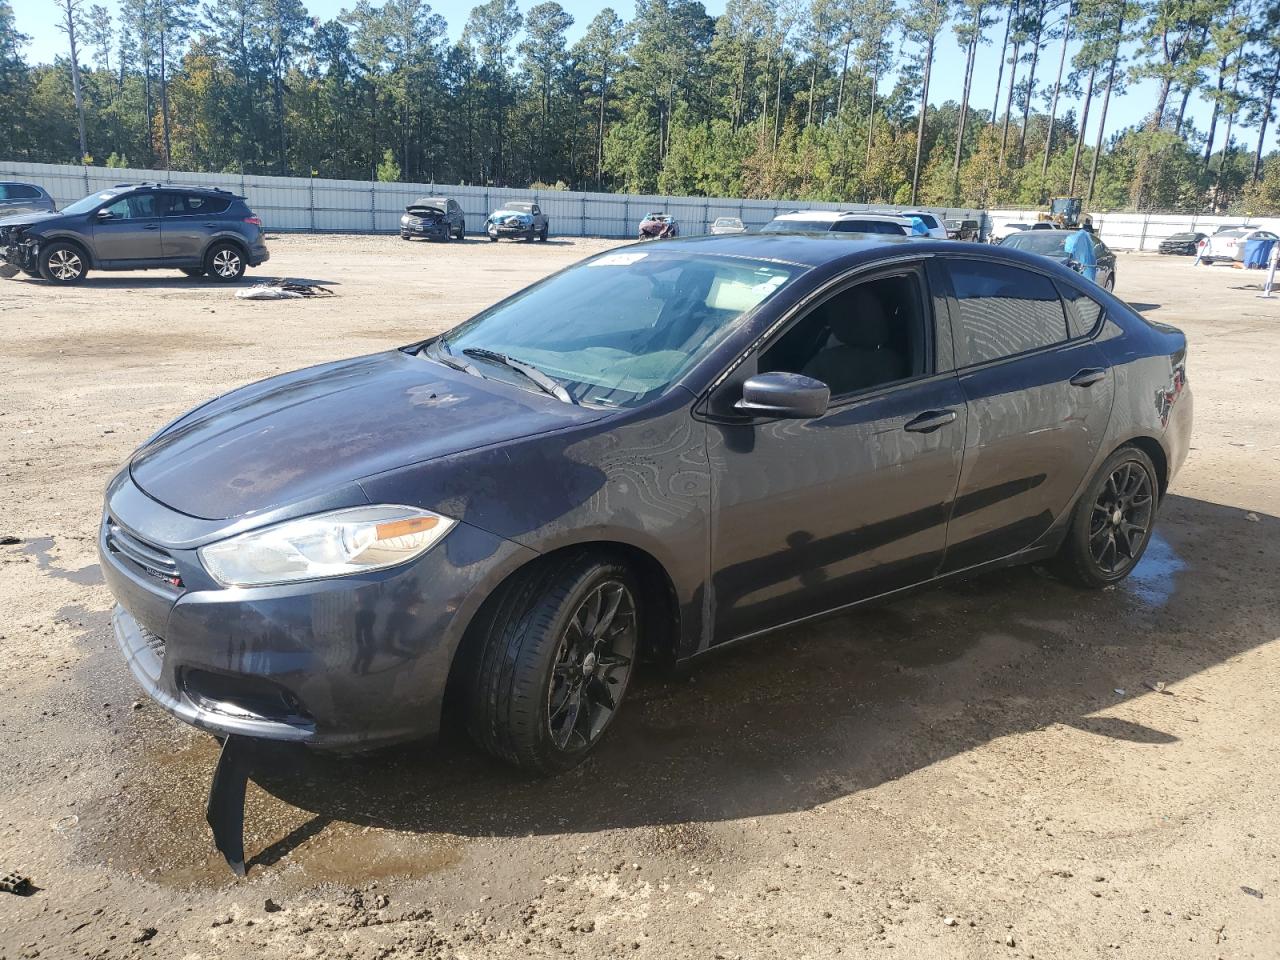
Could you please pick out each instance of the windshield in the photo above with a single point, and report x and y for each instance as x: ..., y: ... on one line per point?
x: 91, y: 201
x: 797, y: 225
x: 624, y: 325
x: 517, y: 208
x: 1040, y: 241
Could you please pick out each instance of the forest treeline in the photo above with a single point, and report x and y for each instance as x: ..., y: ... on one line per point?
x: 789, y: 99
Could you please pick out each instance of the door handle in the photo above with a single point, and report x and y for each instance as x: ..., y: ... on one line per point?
x: 210, y: 225
x: 151, y: 226
x: 930, y: 421
x: 1088, y: 377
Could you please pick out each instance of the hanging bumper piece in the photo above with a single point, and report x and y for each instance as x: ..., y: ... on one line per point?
x: 225, y: 810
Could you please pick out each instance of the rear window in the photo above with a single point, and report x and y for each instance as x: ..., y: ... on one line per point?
x: 18, y: 191
x: 1004, y: 310
x: 868, y: 226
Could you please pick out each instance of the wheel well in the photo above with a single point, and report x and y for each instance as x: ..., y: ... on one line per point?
x: 70, y: 242
x: 1151, y: 447
x: 230, y: 241
x: 658, y: 594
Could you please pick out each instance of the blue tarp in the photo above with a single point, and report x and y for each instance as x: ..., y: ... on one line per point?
x: 1257, y: 253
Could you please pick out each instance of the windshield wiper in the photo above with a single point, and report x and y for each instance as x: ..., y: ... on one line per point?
x: 536, y: 376
x: 438, y: 351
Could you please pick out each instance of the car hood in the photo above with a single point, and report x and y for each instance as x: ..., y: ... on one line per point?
x: 419, y: 211
x: 308, y: 433
x: 28, y: 219
x: 502, y: 216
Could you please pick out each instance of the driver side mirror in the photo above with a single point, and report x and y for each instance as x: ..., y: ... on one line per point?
x: 105, y: 214
x: 787, y: 396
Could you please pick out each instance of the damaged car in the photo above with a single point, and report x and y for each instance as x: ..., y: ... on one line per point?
x: 433, y: 218
x: 202, y: 231
x: 658, y: 226
x: 519, y: 220
x: 697, y: 443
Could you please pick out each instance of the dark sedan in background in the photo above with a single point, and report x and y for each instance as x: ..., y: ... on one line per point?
x: 697, y: 442
x: 1053, y: 244
x: 433, y: 218
x: 1182, y: 244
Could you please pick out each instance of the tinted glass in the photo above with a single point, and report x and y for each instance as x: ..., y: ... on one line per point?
x: 623, y: 325
x: 18, y: 191
x: 1004, y: 310
x: 1083, y: 312
x: 867, y: 226
x: 194, y: 204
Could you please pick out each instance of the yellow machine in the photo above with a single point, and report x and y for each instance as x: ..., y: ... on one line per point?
x: 1065, y: 213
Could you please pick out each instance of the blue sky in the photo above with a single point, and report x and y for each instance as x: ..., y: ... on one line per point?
x: 36, y: 19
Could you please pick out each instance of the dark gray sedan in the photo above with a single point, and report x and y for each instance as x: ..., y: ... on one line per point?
x: 697, y: 442
x: 1053, y: 244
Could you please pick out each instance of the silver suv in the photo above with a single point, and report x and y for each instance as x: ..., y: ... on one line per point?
x: 24, y: 198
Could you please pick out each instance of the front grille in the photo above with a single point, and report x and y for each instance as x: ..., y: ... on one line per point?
x: 147, y: 557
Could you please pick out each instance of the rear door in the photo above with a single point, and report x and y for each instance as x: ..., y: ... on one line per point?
x: 1039, y: 396
x: 130, y: 230
x: 189, y: 221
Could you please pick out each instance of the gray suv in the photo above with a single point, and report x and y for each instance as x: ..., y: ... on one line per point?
x: 23, y: 198
x: 198, y: 230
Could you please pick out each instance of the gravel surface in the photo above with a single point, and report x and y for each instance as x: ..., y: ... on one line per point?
x: 984, y: 770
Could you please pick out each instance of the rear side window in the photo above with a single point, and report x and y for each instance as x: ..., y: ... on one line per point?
x: 1083, y: 312
x: 194, y: 205
x: 1004, y: 310
x: 18, y: 191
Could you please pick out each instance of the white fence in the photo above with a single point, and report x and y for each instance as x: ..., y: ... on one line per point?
x: 359, y: 206
x: 1141, y: 231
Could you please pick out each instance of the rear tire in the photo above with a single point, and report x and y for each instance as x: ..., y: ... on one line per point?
x: 63, y: 263
x: 1112, y: 521
x: 554, y: 653
x: 224, y: 262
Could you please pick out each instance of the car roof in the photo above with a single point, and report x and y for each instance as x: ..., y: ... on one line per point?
x: 430, y: 201
x: 842, y: 251
x: 831, y: 216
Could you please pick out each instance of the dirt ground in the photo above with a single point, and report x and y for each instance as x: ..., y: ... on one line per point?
x: 978, y: 771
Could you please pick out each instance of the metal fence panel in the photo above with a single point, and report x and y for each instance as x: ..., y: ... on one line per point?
x: 361, y: 206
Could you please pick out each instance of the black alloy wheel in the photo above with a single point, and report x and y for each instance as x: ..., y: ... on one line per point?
x: 1112, y: 523
x: 593, y: 663
x: 552, y: 654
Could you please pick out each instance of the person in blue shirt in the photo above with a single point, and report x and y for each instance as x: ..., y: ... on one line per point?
x: 918, y: 229
x: 1079, y: 247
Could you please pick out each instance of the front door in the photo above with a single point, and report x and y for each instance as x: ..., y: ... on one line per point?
x: 1039, y: 399
x: 128, y: 230
x: 810, y: 515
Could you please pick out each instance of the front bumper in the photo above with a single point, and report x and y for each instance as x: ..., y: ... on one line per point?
x: 344, y: 663
x: 431, y: 231
x: 495, y: 230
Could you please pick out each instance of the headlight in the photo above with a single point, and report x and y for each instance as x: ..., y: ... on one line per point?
x: 405, y: 218
x: 334, y: 544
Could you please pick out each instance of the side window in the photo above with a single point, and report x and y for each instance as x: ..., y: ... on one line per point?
x: 139, y: 206
x: 537, y: 211
x: 866, y: 336
x: 194, y: 205
x: 18, y: 191
x: 1083, y: 312
x: 1003, y: 310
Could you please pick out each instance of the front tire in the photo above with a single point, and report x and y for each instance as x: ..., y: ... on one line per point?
x: 543, y: 235
x: 224, y: 262
x: 63, y: 263
x: 462, y: 231
x: 1112, y: 522
x: 555, y: 653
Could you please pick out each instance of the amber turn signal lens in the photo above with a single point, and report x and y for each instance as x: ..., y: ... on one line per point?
x: 406, y: 527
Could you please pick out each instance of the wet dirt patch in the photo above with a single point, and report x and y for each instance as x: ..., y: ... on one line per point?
x: 39, y: 549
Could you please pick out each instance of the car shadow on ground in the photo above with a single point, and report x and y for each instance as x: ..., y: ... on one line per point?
x: 822, y: 711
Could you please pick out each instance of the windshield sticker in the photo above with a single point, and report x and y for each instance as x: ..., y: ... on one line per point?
x: 618, y: 260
